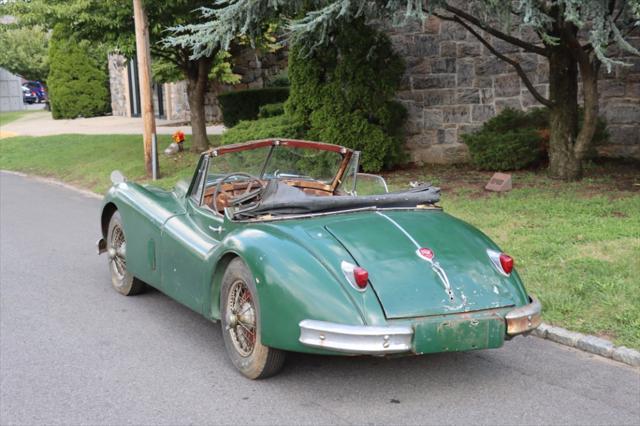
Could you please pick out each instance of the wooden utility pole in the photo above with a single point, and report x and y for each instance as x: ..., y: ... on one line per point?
x: 143, y: 54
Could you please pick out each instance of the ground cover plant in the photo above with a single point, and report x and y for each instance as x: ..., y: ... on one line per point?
x: 576, y: 245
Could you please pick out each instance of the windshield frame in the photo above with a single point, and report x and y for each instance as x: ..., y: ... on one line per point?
x: 346, y: 153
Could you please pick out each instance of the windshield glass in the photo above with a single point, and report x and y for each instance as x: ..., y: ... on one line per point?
x: 250, y: 161
x: 300, y: 163
x: 279, y: 162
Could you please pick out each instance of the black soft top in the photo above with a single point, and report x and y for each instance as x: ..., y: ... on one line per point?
x: 280, y: 199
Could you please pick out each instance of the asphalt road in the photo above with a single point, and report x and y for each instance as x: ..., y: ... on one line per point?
x: 73, y: 351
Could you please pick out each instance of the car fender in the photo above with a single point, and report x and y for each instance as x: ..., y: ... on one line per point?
x: 292, y: 284
x: 143, y: 210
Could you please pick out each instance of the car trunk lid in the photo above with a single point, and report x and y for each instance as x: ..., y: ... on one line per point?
x: 459, y: 278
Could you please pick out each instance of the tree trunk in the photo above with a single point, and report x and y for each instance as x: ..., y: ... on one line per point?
x: 589, y: 75
x: 563, y: 91
x: 197, y: 83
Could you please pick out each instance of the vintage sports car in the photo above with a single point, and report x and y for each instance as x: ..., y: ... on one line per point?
x: 293, y: 250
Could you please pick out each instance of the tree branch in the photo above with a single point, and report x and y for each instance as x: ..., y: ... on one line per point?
x: 499, y: 34
x: 523, y: 76
x: 162, y: 54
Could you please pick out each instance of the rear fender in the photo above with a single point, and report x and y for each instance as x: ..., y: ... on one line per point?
x: 292, y: 286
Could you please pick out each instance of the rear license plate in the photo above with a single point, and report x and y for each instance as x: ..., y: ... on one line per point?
x: 454, y: 333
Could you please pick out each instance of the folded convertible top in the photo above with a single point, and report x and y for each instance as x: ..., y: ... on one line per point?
x: 282, y: 199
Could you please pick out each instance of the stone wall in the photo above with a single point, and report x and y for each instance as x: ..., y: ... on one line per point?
x: 119, y: 85
x: 453, y: 84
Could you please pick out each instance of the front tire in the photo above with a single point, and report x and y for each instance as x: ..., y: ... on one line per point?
x: 121, y: 278
x: 241, y: 328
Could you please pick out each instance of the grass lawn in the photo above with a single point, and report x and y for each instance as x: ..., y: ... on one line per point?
x: 9, y: 116
x: 87, y: 160
x: 576, y: 245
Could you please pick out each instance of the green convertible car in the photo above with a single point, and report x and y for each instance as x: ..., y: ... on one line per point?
x: 293, y: 250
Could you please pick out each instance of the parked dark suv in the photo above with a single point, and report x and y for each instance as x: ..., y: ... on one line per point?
x: 28, y: 95
x: 37, y: 88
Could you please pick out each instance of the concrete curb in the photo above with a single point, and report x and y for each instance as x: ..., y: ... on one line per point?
x: 588, y: 343
x: 56, y: 182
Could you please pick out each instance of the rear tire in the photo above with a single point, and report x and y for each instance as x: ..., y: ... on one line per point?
x: 121, y: 279
x: 241, y: 328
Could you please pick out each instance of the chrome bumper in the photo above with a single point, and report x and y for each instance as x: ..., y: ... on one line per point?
x: 524, y: 318
x: 356, y: 339
x: 381, y: 340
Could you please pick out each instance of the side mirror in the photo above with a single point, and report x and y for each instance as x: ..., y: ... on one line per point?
x: 368, y: 184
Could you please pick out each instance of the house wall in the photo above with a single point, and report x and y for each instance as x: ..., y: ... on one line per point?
x: 10, y: 91
x: 254, y: 71
x: 453, y: 84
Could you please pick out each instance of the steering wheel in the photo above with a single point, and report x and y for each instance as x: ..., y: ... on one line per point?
x: 248, y: 195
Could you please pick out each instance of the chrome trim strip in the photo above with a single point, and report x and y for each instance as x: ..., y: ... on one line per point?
x: 404, y: 231
x: 356, y: 339
x: 524, y: 318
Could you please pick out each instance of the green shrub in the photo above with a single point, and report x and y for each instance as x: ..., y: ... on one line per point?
x: 279, y: 126
x: 271, y: 110
x: 245, y: 104
x: 511, y: 150
x: 516, y: 139
x: 78, y: 80
x: 342, y: 93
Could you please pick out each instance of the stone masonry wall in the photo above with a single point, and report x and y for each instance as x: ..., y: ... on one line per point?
x: 453, y: 84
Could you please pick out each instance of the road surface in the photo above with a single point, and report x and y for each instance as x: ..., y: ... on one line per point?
x: 73, y: 351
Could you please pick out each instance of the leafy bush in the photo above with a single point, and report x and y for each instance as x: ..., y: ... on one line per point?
x: 271, y: 110
x: 279, y: 126
x: 245, y: 104
x: 516, y: 139
x: 342, y: 93
x: 279, y: 80
x: 78, y: 79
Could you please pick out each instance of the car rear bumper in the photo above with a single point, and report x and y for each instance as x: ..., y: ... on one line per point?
x: 525, y: 318
x: 356, y: 339
x: 394, y: 339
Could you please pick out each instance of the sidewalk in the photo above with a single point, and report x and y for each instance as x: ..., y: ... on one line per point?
x: 41, y: 124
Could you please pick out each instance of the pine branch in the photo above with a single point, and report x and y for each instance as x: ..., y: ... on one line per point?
x: 494, y: 32
x: 523, y: 76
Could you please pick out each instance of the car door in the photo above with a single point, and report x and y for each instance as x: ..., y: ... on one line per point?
x: 187, y: 242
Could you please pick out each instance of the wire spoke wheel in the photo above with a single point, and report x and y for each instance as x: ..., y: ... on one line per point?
x: 241, y: 318
x: 117, y: 252
x: 121, y: 279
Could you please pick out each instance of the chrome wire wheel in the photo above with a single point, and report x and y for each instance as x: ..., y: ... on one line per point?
x: 241, y: 318
x: 117, y: 252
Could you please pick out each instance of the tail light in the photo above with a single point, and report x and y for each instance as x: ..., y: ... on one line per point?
x: 357, y: 276
x: 506, y: 262
x: 501, y: 261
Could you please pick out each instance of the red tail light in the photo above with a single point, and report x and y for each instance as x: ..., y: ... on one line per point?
x: 361, y: 276
x: 506, y: 262
x: 357, y: 276
x: 501, y: 261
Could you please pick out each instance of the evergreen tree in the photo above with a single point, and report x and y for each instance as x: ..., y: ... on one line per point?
x: 78, y: 79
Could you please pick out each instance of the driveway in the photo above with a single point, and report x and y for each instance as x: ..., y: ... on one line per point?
x: 75, y: 352
x: 41, y: 124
